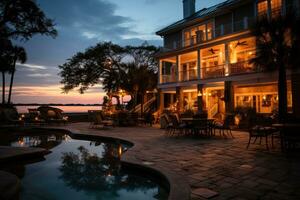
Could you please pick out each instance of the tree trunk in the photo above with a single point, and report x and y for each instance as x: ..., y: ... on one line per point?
x: 3, y: 88
x: 11, y: 85
x: 282, y: 93
x: 296, y: 94
x: 142, y: 104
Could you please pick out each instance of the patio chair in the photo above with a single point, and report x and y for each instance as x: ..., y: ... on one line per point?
x: 175, y: 125
x: 290, y: 138
x: 224, y: 127
x: 261, y: 132
x: 9, y: 116
x: 148, y: 118
x: 52, y: 115
x: 34, y: 117
x: 96, y: 119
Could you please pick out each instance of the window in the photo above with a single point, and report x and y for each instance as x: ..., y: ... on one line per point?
x: 276, y: 7
x: 187, y: 38
x: 198, y: 34
x: 201, y: 33
x: 209, y: 31
x: 262, y: 8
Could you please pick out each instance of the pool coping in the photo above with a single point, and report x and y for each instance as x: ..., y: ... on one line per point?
x: 177, y: 185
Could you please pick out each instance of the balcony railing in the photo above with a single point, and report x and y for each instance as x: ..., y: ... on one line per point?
x: 217, y: 71
x: 213, y: 72
x: 168, y: 78
x: 188, y: 75
x: 241, y: 68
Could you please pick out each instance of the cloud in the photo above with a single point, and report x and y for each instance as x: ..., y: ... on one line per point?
x: 151, y: 2
x: 39, y: 75
x: 32, y: 66
x: 91, y: 19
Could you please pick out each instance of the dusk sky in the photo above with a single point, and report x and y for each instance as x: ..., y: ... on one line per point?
x: 83, y: 23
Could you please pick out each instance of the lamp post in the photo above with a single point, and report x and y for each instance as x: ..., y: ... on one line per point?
x: 122, y: 94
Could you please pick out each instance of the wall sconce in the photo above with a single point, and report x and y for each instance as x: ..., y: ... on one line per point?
x: 199, y: 94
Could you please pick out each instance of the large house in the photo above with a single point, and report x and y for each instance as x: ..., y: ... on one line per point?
x: 204, y: 64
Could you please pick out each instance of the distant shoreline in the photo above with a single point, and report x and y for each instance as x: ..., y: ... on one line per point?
x: 36, y: 104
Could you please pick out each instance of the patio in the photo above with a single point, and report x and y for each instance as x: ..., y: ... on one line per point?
x: 216, y: 168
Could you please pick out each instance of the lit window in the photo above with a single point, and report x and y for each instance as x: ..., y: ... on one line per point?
x: 276, y: 7
x: 209, y: 31
x: 201, y: 33
x: 262, y: 8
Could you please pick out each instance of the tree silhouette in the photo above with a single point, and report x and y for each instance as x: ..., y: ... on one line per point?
x: 276, y: 44
x: 21, y: 19
x: 96, y: 175
x: 114, y: 67
x: 5, y: 59
x: 17, y: 54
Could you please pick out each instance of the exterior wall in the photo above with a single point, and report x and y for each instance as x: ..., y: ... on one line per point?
x: 242, y: 14
x: 172, y: 40
x: 223, y: 24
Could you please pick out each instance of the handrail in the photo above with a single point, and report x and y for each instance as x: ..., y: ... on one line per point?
x: 213, y: 71
x: 188, y: 75
x: 146, y: 105
x: 217, y: 71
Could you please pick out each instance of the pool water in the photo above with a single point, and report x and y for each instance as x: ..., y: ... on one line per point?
x: 80, y: 170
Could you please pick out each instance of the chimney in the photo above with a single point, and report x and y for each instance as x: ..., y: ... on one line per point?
x: 189, y: 8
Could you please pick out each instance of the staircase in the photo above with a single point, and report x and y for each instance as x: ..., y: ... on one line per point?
x: 146, y: 106
x: 213, y: 111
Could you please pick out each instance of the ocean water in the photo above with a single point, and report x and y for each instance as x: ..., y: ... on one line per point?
x: 66, y: 109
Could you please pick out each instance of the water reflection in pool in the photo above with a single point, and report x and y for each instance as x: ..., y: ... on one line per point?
x: 79, y: 169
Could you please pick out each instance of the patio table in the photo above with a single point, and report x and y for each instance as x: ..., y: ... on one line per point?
x: 282, y: 127
x: 192, y: 121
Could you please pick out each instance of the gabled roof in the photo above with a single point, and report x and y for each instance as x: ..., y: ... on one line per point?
x: 205, y: 12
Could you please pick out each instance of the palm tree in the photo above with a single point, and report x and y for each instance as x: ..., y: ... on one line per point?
x: 17, y: 54
x: 5, y: 46
x: 275, y: 45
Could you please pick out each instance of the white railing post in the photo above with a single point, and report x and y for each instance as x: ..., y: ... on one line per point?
x: 246, y: 23
x: 198, y: 64
x: 222, y: 29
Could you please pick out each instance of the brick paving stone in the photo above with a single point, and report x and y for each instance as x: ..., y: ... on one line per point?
x: 205, y: 193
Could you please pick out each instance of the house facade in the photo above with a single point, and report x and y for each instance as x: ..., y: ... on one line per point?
x: 204, y: 64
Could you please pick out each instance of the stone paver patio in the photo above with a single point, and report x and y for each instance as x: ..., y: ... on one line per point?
x: 215, y: 168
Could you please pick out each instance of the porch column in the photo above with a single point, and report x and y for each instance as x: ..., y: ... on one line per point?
x: 179, y: 98
x: 160, y: 101
x: 296, y: 94
x: 160, y: 72
x: 227, y: 60
x: 199, y: 64
x: 200, y: 98
x: 178, y: 68
x: 229, y: 97
x: 269, y: 11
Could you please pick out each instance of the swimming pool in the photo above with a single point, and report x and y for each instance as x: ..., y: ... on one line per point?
x: 80, y: 169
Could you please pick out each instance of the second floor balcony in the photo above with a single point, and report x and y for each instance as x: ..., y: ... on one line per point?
x: 217, y: 71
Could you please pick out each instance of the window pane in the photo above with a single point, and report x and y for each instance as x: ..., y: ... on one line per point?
x: 201, y: 33
x: 209, y: 31
x: 262, y: 8
x: 276, y: 7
